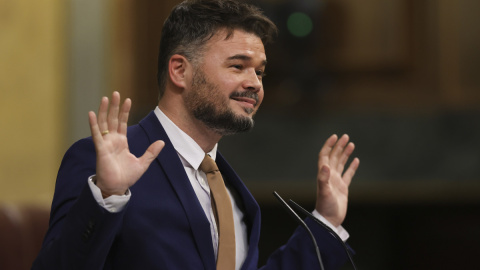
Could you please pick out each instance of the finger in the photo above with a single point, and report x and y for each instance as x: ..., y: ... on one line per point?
x: 350, y: 172
x: 113, y: 113
x: 344, y: 156
x: 326, y: 149
x: 338, y: 150
x: 124, y: 112
x: 151, y: 153
x: 94, y: 129
x: 102, y: 114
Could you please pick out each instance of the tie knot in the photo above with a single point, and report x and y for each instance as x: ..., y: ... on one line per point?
x: 208, y: 165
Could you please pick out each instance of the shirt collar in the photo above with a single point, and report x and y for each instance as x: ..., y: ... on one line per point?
x: 186, y: 147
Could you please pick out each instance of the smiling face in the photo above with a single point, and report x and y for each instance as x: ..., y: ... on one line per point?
x: 226, y: 89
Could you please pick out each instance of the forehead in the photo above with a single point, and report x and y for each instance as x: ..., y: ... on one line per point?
x: 238, y: 43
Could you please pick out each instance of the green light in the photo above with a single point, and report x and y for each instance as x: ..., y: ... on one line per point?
x: 299, y: 24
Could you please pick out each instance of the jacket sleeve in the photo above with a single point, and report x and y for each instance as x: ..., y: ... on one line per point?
x: 80, y: 232
x: 299, y: 251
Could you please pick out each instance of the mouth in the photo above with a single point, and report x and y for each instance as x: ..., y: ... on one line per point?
x: 248, y: 102
x: 246, y: 99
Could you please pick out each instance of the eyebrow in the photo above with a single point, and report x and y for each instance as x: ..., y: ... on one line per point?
x: 244, y: 58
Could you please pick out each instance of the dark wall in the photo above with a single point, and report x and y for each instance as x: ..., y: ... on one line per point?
x: 395, y: 237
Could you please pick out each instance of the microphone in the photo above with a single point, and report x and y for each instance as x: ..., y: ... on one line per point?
x: 302, y: 223
x: 301, y: 209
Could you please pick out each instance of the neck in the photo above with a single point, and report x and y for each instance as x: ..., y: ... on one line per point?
x: 205, y: 137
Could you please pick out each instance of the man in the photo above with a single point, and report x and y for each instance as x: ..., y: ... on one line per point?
x: 147, y: 200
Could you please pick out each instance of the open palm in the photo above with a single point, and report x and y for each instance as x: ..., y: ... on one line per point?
x: 117, y: 168
x: 332, y: 180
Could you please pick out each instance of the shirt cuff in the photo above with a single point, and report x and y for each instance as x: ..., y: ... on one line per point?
x: 342, y: 233
x: 112, y: 204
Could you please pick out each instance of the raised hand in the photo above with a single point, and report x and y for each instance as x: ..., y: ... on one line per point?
x: 332, y: 180
x: 117, y: 168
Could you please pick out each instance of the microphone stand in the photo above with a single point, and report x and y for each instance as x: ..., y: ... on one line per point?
x: 302, y: 223
x: 334, y: 234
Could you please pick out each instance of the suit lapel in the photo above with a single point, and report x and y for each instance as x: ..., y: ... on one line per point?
x: 172, y: 166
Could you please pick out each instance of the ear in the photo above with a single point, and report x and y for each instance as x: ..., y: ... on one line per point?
x: 179, y: 70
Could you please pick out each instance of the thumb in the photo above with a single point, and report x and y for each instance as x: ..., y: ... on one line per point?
x: 152, y: 152
x: 324, y: 174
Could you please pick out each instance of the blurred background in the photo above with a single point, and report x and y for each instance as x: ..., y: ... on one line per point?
x: 399, y: 76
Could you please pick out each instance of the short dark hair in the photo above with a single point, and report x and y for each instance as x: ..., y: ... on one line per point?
x: 193, y: 22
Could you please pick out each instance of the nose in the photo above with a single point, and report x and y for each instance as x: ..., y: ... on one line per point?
x: 252, y: 81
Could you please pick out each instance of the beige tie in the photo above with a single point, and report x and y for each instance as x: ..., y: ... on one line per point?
x: 222, y: 207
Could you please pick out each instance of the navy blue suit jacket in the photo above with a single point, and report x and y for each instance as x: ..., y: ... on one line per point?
x: 163, y: 226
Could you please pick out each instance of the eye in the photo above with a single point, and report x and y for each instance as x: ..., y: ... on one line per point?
x: 239, y: 67
x: 261, y: 73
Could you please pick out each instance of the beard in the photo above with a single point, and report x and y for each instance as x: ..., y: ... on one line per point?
x: 207, y: 103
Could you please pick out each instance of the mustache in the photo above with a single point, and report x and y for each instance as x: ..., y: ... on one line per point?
x: 246, y: 94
